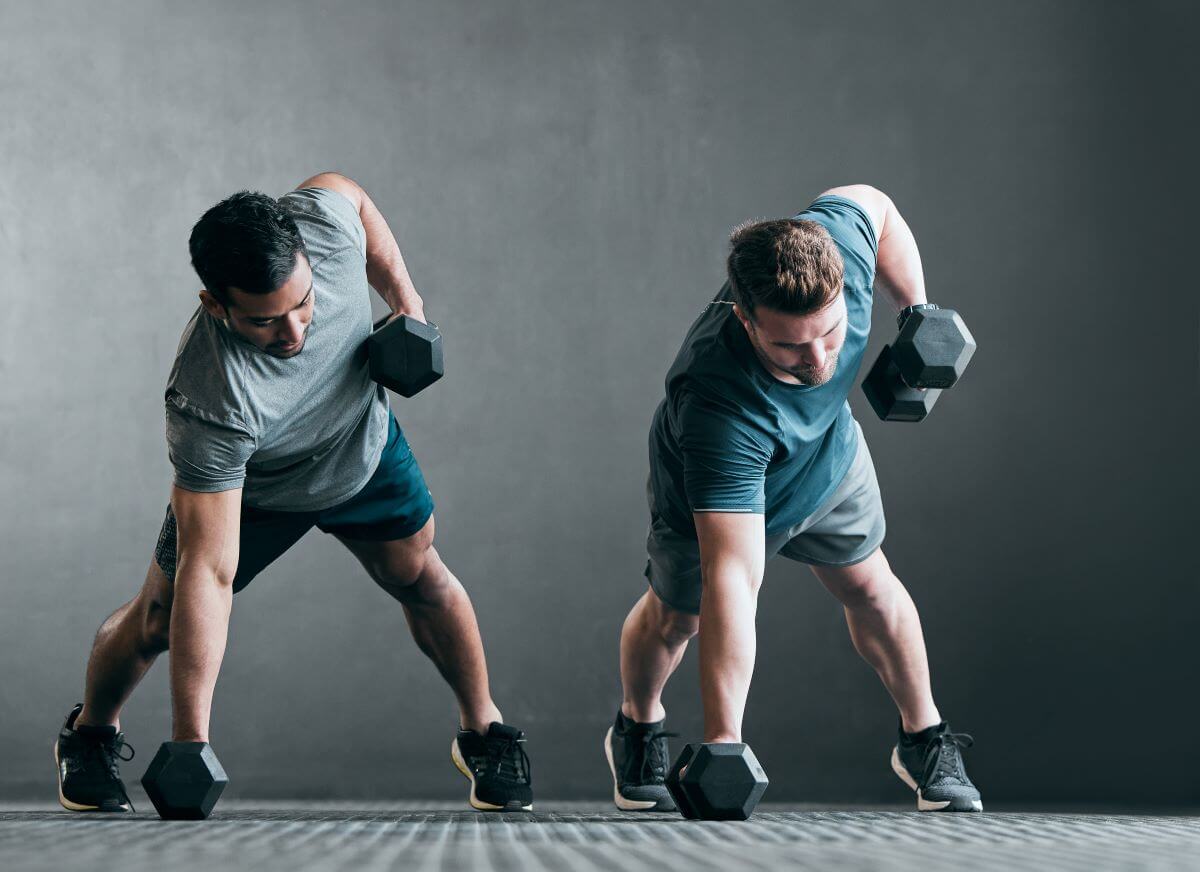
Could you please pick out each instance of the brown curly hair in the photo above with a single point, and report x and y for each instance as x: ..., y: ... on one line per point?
x: 788, y: 264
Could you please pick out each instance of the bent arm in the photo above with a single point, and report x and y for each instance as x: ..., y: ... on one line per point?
x: 386, y: 270
x: 898, y: 270
x: 207, y: 534
x: 732, y: 558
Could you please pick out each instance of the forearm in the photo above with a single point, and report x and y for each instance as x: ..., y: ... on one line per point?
x: 199, y: 628
x: 386, y: 270
x: 727, y: 647
x: 898, y: 270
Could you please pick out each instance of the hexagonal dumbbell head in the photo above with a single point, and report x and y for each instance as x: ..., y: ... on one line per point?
x: 723, y: 781
x: 682, y: 802
x: 890, y: 397
x: 184, y: 780
x: 405, y: 355
x: 933, y: 348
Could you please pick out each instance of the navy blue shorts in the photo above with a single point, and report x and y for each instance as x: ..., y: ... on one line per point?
x: 393, y: 504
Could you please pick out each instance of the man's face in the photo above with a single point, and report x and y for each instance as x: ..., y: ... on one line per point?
x: 276, y: 323
x: 802, y: 349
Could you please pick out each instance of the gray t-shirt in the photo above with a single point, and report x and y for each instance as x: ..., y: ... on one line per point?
x: 298, y: 434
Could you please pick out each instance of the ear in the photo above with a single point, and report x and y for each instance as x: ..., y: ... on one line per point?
x: 213, y: 306
x: 747, y: 322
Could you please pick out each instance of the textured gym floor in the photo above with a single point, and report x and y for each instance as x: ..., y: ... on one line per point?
x: 587, y: 836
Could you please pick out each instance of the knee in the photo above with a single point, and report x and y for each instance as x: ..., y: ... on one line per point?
x: 676, y: 627
x: 401, y: 564
x: 867, y: 591
x: 415, y: 576
x: 402, y: 570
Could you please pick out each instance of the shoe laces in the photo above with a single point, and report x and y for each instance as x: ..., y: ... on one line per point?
x: 506, y: 759
x: 648, y: 760
x: 943, y: 758
x: 109, y: 754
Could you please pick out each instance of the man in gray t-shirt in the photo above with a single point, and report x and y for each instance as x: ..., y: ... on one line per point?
x: 296, y: 431
x: 273, y: 427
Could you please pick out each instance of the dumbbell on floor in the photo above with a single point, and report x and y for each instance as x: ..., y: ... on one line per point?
x: 717, y: 781
x: 405, y: 355
x: 184, y: 780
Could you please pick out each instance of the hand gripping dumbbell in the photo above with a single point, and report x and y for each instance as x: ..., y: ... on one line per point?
x: 929, y: 355
x: 405, y: 355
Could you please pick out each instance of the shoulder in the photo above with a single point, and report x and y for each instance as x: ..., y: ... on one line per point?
x: 850, y: 227
x: 720, y: 414
x: 327, y: 220
x: 207, y: 378
x: 712, y: 380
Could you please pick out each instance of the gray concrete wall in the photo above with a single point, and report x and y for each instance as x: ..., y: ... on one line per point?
x: 562, y: 178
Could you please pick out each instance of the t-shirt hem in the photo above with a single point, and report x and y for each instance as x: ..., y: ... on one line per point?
x: 209, y: 487
x: 836, y: 480
x: 349, y: 495
x: 319, y: 506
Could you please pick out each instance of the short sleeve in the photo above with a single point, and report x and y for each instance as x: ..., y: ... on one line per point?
x: 208, y: 454
x: 331, y: 222
x: 724, y: 459
x: 851, y: 230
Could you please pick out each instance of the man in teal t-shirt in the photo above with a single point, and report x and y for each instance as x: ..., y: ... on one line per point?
x: 754, y: 452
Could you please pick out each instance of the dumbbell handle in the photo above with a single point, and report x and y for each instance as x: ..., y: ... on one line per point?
x: 908, y: 310
x: 390, y: 315
x: 890, y: 395
x: 939, y: 329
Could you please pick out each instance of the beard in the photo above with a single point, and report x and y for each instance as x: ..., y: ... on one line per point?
x: 812, y: 377
x: 808, y: 376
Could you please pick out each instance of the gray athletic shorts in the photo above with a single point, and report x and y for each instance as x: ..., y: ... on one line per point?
x: 846, y: 529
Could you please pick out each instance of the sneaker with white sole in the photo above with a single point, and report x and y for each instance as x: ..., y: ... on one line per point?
x: 88, y: 762
x: 930, y: 762
x: 638, y: 759
x: 497, y: 766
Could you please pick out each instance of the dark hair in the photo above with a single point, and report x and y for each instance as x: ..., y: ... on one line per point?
x: 246, y: 242
x: 790, y: 265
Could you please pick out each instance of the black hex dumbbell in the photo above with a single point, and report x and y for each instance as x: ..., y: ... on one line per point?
x: 405, y: 355
x: 184, y: 780
x: 717, y: 781
x: 929, y: 355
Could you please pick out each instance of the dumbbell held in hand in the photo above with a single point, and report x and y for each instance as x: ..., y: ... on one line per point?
x: 405, y: 355
x: 929, y: 355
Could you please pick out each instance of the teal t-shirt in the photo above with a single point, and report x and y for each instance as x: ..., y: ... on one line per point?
x: 730, y: 437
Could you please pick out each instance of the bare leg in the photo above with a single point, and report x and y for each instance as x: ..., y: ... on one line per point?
x: 439, y: 614
x: 126, y: 645
x: 653, y: 641
x: 886, y: 631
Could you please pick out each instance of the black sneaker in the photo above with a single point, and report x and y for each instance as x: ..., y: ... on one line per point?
x: 88, y: 770
x: 931, y: 764
x: 637, y: 756
x: 497, y: 766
